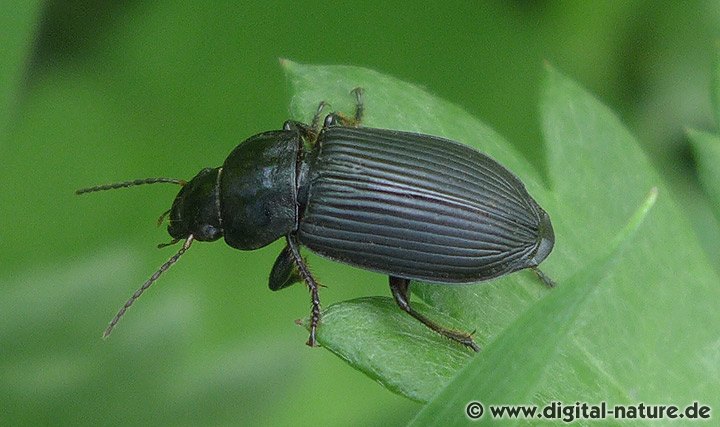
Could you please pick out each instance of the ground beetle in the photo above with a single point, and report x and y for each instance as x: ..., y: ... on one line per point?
x: 412, y: 206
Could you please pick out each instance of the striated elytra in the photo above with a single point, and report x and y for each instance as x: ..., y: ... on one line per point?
x: 412, y: 206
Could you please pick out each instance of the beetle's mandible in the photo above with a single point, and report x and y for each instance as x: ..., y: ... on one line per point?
x: 412, y: 206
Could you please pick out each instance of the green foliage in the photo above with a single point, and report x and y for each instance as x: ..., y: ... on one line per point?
x: 622, y: 326
x: 376, y: 337
x: 706, y: 148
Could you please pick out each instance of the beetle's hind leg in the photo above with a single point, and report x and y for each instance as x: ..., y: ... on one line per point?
x: 304, y: 273
x: 400, y: 287
x: 547, y: 281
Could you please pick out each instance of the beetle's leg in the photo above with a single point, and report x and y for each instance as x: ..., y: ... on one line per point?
x: 304, y: 273
x: 309, y: 133
x: 297, y: 126
x: 339, y: 119
x: 550, y: 283
x: 284, y: 272
x: 400, y: 287
x: 315, y: 124
x: 359, y: 105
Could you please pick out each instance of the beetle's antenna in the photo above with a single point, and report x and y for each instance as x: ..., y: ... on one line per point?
x: 146, y: 285
x: 130, y: 184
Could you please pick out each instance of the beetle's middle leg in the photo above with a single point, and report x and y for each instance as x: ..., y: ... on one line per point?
x: 313, y: 285
x: 400, y: 287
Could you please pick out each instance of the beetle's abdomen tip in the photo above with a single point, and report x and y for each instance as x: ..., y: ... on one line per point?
x: 546, y: 239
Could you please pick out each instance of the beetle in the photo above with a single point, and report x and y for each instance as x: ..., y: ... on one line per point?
x: 409, y: 205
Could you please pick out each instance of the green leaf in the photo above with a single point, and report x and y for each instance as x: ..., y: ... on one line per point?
x: 706, y: 148
x: 716, y: 84
x: 367, y: 332
x: 619, y: 328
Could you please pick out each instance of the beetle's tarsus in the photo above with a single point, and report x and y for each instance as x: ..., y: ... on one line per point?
x: 339, y: 119
x: 400, y: 287
x: 312, y: 286
x: 359, y: 105
x: 312, y: 341
x: 547, y: 281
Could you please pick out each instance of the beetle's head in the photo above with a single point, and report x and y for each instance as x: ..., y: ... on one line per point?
x: 196, y: 209
x: 195, y: 215
x: 546, y: 239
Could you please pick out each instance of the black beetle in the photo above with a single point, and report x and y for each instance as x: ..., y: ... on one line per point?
x: 412, y: 206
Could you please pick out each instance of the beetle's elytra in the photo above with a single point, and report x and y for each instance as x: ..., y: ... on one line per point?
x: 412, y: 206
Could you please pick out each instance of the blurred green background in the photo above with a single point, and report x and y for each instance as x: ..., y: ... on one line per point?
x: 93, y: 92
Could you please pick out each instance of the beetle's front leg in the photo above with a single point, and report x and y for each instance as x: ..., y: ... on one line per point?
x: 339, y: 119
x: 307, y: 277
x: 359, y: 105
x: 315, y: 124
